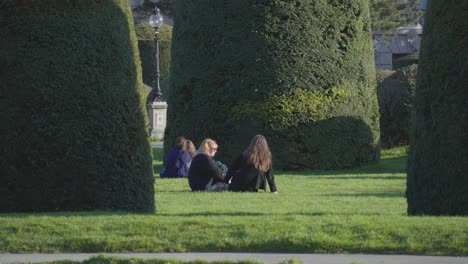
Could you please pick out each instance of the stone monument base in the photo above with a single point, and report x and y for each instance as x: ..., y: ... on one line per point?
x: 157, y: 112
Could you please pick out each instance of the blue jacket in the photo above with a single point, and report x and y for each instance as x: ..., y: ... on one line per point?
x: 177, y: 164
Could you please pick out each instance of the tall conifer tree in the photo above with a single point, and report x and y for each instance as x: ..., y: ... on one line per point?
x: 301, y: 72
x: 438, y: 158
x: 74, y: 133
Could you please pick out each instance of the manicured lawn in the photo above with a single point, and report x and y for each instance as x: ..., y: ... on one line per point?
x: 357, y: 211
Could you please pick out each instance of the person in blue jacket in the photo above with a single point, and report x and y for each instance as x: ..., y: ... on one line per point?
x: 178, y: 161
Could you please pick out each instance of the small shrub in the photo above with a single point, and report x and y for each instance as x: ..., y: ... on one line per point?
x: 406, y: 61
x: 395, y: 94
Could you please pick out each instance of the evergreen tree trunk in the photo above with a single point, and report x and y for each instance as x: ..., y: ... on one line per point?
x: 74, y: 125
x: 438, y: 159
x: 299, y: 72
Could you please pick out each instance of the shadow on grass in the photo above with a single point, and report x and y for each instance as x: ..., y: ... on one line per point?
x: 362, y: 177
x: 242, y: 214
x: 387, y: 194
x: 174, y: 191
x: 388, y: 165
x: 73, y: 214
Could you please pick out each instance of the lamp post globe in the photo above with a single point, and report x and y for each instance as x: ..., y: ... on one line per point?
x: 156, y: 21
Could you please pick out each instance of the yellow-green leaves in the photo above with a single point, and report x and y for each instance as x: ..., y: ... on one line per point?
x: 294, y: 107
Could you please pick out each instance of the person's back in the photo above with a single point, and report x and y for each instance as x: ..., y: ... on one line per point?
x: 245, y: 177
x: 253, y: 168
x: 177, y: 162
x: 204, y: 174
x: 200, y: 172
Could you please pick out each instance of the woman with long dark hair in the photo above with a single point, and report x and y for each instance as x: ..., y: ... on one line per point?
x: 253, y: 168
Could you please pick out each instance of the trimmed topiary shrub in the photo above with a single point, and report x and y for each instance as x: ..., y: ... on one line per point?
x: 395, y: 95
x: 299, y: 72
x: 406, y: 61
x: 438, y: 156
x: 146, y: 46
x: 74, y: 134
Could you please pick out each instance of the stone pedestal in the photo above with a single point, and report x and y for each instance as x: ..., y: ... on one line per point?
x: 157, y: 116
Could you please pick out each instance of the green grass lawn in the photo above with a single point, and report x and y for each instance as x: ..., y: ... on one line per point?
x: 356, y: 211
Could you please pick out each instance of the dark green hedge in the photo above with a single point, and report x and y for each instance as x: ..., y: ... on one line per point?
x: 232, y: 57
x: 74, y: 134
x: 406, y: 61
x: 438, y: 157
x: 395, y: 94
x: 146, y: 46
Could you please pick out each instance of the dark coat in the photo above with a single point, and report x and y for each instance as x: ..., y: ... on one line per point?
x: 246, y: 178
x: 204, y: 172
x: 177, y: 164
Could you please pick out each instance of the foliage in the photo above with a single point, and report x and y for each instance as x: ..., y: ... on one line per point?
x: 395, y: 95
x: 437, y: 179
x: 386, y: 15
x: 350, y: 211
x: 292, y: 261
x: 74, y: 134
x: 298, y: 106
x: 146, y: 45
x: 382, y: 74
x: 233, y: 54
x: 406, y: 60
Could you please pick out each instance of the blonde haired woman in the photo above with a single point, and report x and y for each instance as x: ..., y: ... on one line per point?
x: 204, y: 174
x: 190, y: 148
x: 253, y: 168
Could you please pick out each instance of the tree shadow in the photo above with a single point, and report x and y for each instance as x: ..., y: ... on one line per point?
x: 240, y: 214
x: 361, y: 177
x: 386, y: 194
x: 387, y: 165
x: 74, y: 214
x: 174, y: 191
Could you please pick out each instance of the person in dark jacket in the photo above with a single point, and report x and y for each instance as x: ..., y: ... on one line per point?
x: 253, y: 168
x: 204, y: 173
x: 177, y: 161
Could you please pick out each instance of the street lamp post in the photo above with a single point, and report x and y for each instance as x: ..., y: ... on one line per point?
x: 156, y: 21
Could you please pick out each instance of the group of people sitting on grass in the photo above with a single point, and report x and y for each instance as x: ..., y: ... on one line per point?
x: 248, y: 173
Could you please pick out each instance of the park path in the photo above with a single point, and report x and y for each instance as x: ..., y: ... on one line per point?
x: 267, y: 258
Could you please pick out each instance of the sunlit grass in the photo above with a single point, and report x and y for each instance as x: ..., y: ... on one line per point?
x: 357, y: 211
